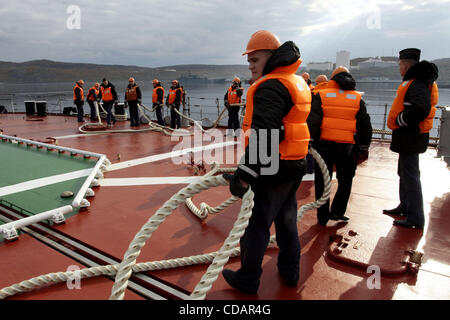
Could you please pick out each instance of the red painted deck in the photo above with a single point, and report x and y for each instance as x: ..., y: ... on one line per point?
x: 117, y: 213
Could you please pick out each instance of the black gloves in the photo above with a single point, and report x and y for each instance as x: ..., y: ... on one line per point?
x: 359, y: 155
x: 236, y: 187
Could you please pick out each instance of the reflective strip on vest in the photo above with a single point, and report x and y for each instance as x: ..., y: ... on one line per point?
x: 131, y: 94
x: 296, y: 136
x: 339, y: 111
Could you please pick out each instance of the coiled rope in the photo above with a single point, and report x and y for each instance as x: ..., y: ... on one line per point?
x: 217, y: 259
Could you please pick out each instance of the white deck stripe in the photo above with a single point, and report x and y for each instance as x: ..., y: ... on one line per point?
x: 37, y: 183
x: 135, y: 162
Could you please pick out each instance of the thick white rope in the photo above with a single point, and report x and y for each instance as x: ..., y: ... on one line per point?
x: 128, y: 265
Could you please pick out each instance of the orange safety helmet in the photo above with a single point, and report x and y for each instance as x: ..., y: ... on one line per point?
x: 338, y: 70
x: 321, y: 78
x: 155, y: 81
x: 131, y: 79
x: 97, y: 85
x: 80, y: 82
x: 262, y: 40
x: 175, y: 82
x: 236, y: 79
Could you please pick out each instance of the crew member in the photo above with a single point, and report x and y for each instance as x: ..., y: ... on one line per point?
x: 78, y: 99
x: 341, y: 133
x: 306, y: 77
x: 133, y: 97
x: 411, y: 119
x: 91, y: 97
x: 157, y: 99
x: 173, y: 101
x: 109, y: 96
x: 233, y: 97
x: 278, y: 103
x: 321, y: 83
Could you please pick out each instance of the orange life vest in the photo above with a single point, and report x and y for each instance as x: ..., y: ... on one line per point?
x: 173, y: 94
x: 107, y: 94
x: 339, y: 111
x: 320, y: 86
x: 131, y: 94
x: 90, y: 96
x: 232, y: 96
x: 296, y: 135
x: 155, y: 94
x: 397, y: 106
x: 81, y: 93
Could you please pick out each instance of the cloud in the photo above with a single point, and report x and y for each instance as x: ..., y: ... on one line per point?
x: 161, y: 32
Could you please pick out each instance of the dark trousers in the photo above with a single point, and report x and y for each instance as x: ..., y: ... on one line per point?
x: 108, y: 108
x: 134, y: 113
x: 410, y: 189
x: 273, y: 202
x: 159, y: 116
x: 93, y: 111
x: 175, y: 121
x: 233, y: 118
x: 339, y: 155
x: 80, y: 111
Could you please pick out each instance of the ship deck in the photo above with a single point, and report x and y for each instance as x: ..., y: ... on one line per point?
x: 142, y: 178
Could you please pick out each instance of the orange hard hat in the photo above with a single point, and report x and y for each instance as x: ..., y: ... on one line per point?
x: 236, y: 79
x: 175, y: 82
x: 321, y: 78
x: 262, y: 40
x: 97, y: 85
x: 155, y: 81
x: 338, y: 70
x: 80, y: 82
x: 131, y: 79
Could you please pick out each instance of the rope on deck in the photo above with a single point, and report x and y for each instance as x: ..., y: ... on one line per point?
x: 217, y: 259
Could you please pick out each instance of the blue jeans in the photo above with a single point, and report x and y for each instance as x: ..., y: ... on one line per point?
x: 410, y: 189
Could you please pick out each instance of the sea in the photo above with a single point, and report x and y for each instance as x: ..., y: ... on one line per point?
x: 203, y: 100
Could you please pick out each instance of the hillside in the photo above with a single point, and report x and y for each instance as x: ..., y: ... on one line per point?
x: 45, y: 71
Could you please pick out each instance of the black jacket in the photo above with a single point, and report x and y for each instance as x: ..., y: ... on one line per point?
x: 407, y: 138
x: 138, y: 92
x: 113, y: 91
x: 363, y: 135
x: 271, y: 103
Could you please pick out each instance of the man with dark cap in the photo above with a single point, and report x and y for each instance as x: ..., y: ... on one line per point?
x: 411, y: 119
x: 109, y: 96
x: 341, y: 133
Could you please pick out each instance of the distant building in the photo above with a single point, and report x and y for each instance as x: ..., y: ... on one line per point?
x: 343, y: 59
x: 376, y: 63
x: 326, y: 66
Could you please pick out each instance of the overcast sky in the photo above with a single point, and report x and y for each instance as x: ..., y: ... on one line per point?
x: 157, y: 33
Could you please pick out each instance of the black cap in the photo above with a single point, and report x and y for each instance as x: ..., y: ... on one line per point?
x: 104, y: 79
x: 410, y: 54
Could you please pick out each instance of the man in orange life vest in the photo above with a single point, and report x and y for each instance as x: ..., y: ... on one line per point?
x: 278, y: 103
x: 411, y: 119
x: 109, y: 96
x: 157, y: 99
x: 233, y: 96
x: 91, y: 97
x: 133, y: 97
x: 341, y: 133
x: 78, y: 99
x: 173, y: 101
x: 321, y: 83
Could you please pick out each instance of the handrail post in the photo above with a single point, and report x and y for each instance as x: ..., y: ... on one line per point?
x: 384, y: 121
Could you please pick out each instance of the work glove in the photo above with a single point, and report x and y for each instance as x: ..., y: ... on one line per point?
x: 236, y: 188
x: 359, y: 155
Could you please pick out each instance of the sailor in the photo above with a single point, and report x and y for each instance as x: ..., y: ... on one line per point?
x: 173, y: 101
x: 321, y: 83
x: 133, y: 97
x: 232, y: 97
x: 341, y: 133
x: 157, y: 99
x: 91, y: 97
x: 411, y: 119
x: 306, y: 77
x: 109, y: 96
x: 78, y: 99
x: 278, y: 103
